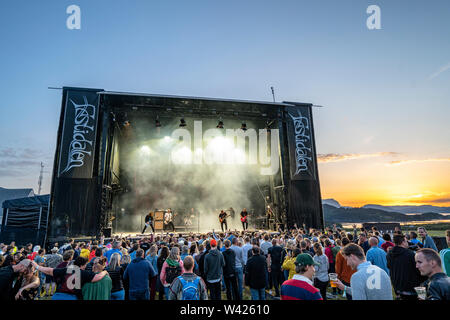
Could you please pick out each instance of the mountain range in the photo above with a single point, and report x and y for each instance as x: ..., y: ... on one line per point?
x: 398, y: 209
x: 335, y: 213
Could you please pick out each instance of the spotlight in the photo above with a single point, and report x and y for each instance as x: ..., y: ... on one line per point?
x: 182, y: 122
x: 244, y: 126
x: 157, y: 122
x: 220, y: 124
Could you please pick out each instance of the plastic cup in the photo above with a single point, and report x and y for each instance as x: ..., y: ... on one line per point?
x: 421, y: 292
x: 333, y: 279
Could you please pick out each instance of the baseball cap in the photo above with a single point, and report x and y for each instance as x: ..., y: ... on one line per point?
x: 304, y: 259
x: 213, y: 243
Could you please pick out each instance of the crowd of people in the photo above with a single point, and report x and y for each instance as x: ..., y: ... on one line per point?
x: 296, y: 264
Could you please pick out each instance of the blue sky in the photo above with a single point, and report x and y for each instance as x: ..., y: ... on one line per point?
x: 382, y: 89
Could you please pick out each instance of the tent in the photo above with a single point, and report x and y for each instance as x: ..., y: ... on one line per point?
x: 25, y: 220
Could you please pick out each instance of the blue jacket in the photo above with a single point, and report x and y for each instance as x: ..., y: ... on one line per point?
x: 109, y: 253
x: 429, y: 243
x: 139, y: 271
x: 377, y: 257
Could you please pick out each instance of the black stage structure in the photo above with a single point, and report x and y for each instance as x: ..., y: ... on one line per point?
x: 96, y: 128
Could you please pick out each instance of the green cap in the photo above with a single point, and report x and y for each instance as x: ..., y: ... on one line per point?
x: 305, y: 259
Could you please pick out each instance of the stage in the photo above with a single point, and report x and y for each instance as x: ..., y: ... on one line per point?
x: 121, y: 155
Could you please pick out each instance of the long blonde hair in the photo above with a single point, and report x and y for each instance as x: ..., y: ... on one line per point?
x: 115, y: 261
x: 174, y: 254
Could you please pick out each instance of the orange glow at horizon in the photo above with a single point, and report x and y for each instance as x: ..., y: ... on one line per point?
x: 369, y: 181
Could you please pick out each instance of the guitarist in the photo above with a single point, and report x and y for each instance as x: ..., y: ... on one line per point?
x: 223, y: 219
x: 149, y: 222
x: 168, y: 217
x: 244, y: 220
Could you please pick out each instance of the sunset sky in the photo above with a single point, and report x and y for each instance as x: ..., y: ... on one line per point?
x: 383, y: 134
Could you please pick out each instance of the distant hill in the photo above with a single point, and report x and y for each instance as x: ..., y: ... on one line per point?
x: 360, y: 215
x: 408, y: 209
x: 331, y: 202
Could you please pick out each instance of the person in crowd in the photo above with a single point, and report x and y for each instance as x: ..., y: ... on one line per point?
x: 274, y: 263
x: 343, y: 270
x: 387, y: 245
x: 39, y: 258
x: 9, y: 275
x: 239, y: 265
x: 445, y: 255
x: 172, y: 268
x: 429, y: 264
x: 84, y: 251
x: 265, y: 245
x: 304, y: 248
x: 188, y: 286
x: 163, y: 255
x: 301, y: 286
x: 255, y: 274
x: 52, y: 261
x: 376, y: 255
x: 100, y: 290
x: 213, y: 270
x: 97, y: 254
x: 413, y: 239
x: 403, y: 272
x: 289, y: 262
x: 29, y: 285
x: 363, y: 242
x: 229, y: 272
x: 124, y: 262
x: 362, y: 286
x: 139, y: 272
x: 116, y: 274
x: 245, y: 249
x: 69, y: 286
x: 321, y: 278
x: 152, y: 257
x: 115, y: 249
x: 428, y: 241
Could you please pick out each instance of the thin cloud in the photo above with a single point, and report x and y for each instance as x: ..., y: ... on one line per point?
x: 402, y: 162
x: 439, y: 71
x: 335, y: 157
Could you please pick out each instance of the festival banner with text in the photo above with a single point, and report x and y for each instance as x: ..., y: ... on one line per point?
x: 301, y: 144
x: 79, y: 134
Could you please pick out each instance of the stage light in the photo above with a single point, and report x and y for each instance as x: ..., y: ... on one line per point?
x: 145, y: 150
x: 182, y: 122
x: 182, y: 155
x: 167, y: 139
x: 220, y: 124
x: 244, y: 126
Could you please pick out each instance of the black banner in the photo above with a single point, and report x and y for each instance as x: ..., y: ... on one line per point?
x: 301, y: 144
x: 79, y: 133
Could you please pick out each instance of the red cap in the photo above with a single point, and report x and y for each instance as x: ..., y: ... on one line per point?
x: 213, y: 243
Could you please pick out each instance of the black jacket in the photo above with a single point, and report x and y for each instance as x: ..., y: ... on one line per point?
x: 255, y: 272
x: 230, y: 263
x: 438, y: 287
x: 404, y: 274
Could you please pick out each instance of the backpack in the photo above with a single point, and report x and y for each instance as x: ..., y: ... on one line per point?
x: 190, y: 289
x: 172, y: 273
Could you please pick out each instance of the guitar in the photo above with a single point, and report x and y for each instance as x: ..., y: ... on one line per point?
x: 244, y: 218
x: 167, y: 217
x: 223, y: 219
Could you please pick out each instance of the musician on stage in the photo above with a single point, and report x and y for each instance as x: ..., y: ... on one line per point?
x: 149, y: 222
x: 244, y: 220
x: 168, y: 219
x: 232, y: 213
x: 223, y: 220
